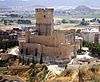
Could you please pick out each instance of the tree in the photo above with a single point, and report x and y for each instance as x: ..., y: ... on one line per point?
x: 2, y: 19
x: 93, y: 47
x: 83, y: 22
x: 5, y: 46
x: 26, y: 51
x: 98, y: 21
x: 78, y: 31
x: 21, y: 51
x: 24, y: 22
x: 23, y: 62
x: 28, y: 61
x: 41, y: 61
x: 64, y: 21
x: 20, y: 60
x: 65, y: 66
x: 36, y: 52
x: 33, y: 60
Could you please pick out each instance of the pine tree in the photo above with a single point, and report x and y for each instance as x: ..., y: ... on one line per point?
x: 26, y: 51
x: 23, y: 62
x: 28, y: 61
x: 33, y: 60
x: 21, y: 51
x: 20, y: 60
x: 36, y: 52
x: 41, y: 61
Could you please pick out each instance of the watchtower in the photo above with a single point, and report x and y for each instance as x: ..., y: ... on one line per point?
x: 44, y: 21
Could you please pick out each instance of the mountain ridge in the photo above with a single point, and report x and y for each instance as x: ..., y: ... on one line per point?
x: 81, y: 9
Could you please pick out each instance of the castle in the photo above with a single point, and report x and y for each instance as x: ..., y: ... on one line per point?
x: 55, y: 46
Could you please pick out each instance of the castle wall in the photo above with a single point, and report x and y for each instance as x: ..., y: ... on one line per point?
x: 31, y: 48
x: 27, y: 37
x: 42, y: 40
x: 53, y: 40
x: 51, y: 51
x: 62, y: 50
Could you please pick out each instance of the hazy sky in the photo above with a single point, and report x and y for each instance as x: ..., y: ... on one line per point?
x: 51, y: 3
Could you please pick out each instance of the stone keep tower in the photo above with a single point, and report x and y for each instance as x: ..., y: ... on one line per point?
x: 44, y: 21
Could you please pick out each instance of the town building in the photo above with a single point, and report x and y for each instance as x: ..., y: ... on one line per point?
x: 55, y: 46
x: 8, y: 39
x: 91, y: 35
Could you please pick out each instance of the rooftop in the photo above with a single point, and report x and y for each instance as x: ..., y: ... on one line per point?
x: 90, y: 30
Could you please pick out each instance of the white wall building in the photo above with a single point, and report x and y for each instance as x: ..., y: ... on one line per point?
x: 89, y: 34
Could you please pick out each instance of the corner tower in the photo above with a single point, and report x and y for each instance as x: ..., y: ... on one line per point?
x: 44, y: 21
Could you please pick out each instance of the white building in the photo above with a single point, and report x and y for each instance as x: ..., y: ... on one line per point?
x: 89, y: 34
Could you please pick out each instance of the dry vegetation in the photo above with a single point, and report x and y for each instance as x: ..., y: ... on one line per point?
x: 86, y: 74
x: 38, y: 73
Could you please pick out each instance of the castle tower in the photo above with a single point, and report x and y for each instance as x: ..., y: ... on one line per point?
x: 44, y: 21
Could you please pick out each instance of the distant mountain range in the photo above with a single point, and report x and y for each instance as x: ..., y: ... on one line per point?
x: 83, y: 10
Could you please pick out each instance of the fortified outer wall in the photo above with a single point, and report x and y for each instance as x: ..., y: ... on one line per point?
x: 31, y: 48
x: 64, y: 51
x: 55, y: 44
